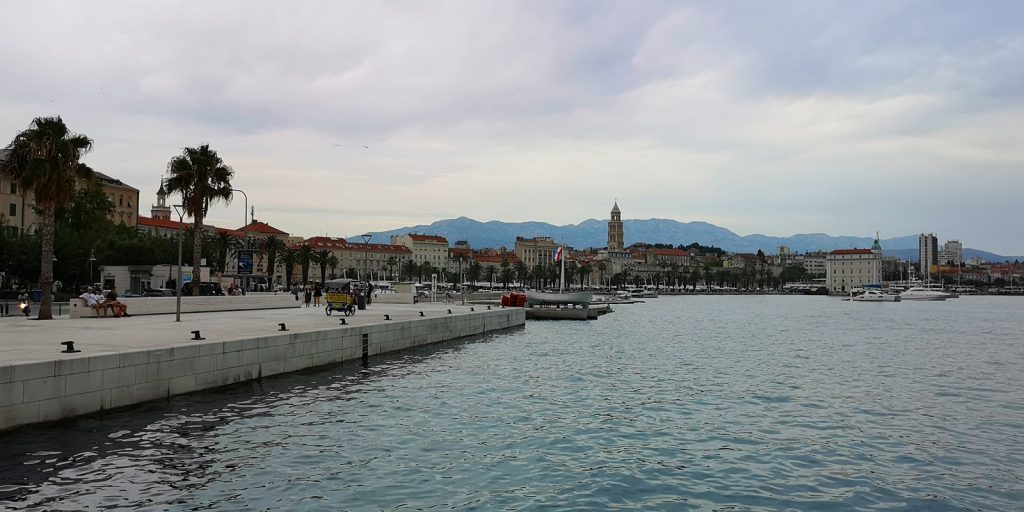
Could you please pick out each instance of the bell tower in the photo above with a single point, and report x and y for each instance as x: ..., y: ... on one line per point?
x: 615, y: 235
x: 160, y: 210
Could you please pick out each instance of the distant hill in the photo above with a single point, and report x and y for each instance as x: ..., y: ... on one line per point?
x: 594, y: 233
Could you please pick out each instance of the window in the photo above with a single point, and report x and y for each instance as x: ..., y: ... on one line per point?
x: 14, y: 188
x: 120, y: 200
x: 13, y: 210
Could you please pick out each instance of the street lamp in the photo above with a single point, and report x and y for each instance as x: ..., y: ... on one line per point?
x: 92, y: 258
x: 366, y: 252
x: 245, y: 236
x: 180, y: 210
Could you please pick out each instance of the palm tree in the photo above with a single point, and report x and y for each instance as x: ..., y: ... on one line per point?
x: 321, y: 258
x: 460, y: 257
x: 289, y: 257
x: 473, y: 272
x: 522, y: 272
x: 272, y: 246
x: 305, y: 255
x: 201, y: 177
x: 391, y: 266
x: 226, y: 244
x: 45, y: 159
x: 425, y: 269
x: 332, y: 263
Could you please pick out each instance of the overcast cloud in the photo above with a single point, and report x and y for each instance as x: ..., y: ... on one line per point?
x: 762, y: 117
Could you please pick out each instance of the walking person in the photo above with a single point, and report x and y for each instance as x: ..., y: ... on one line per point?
x: 308, y: 295
x: 317, y: 293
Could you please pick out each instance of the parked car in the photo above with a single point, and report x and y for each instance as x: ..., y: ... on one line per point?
x: 205, y: 288
x: 158, y: 292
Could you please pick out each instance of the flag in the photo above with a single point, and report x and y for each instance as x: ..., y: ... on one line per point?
x: 556, y: 255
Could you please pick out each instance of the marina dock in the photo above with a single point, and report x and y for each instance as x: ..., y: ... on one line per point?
x: 123, y: 361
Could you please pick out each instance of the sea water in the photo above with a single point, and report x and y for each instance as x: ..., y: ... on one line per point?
x: 680, y: 403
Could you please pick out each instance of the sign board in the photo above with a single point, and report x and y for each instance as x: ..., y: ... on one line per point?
x: 186, y: 278
x: 245, y: 265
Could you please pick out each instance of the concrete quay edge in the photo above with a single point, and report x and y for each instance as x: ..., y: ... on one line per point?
x: 133, y: 360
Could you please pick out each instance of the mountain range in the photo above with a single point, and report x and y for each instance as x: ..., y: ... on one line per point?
x: 594, y: 233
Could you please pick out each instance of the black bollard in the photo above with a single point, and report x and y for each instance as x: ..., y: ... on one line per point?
x: 343, y: 322
x: 69, y: 347
x: 449, y: 311
x: 471, y: 309
x: 421, y: 313
x: 387, y: 317
x: 283, y: 328
x: 196, y: 336
x: 488, y: 308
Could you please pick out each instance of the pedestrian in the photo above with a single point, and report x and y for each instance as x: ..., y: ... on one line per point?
x: 369, y: 294
x: 308, y: 295
x: 317, y: 293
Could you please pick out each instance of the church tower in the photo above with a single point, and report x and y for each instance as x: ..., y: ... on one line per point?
x: 615, y: 237
x: 160, y: 210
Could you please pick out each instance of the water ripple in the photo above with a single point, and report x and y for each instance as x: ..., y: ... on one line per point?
x: 690, y: 403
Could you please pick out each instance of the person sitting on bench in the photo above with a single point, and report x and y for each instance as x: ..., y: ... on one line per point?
x: 117, y: 307
x: 93, y: 301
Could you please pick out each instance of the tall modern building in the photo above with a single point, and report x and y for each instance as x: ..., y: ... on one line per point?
x: 928, y: 253
x: 952, y: 253
x: 615, y: 232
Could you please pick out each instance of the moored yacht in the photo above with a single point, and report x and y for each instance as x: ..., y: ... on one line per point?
x: 922, y: 293
x: 875, y: 295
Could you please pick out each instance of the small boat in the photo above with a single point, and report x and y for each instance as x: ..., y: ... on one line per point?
x: 643, y: 293
x: 922, y: 293
x: 558, y: 299
x: 873, y: 295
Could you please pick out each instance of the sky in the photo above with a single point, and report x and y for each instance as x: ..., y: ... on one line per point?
x: 340, y: 118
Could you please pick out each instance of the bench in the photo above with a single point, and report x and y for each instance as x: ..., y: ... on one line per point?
x: 189, y: 304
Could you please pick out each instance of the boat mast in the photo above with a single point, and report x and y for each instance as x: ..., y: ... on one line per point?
x: 561, y: 280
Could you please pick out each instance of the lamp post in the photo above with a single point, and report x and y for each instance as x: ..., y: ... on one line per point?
x: 366, y: 253
x: 92, y: 258
x: 180, y: 210
x: 245, y: 236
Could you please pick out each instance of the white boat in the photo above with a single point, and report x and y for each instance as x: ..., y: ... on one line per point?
x: 922, y: 293
x: 873, y: 295
x: 643, y: 293
x: 558, y: 299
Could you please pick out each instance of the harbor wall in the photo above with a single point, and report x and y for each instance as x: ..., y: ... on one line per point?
x: 41, y: 391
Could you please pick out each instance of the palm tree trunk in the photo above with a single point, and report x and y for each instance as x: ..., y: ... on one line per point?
x: 46, y: 232
x: 197, y: 252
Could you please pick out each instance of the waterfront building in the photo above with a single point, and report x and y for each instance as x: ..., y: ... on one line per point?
x: 382, y: 261
x: 846, y: 269
x: 952, y: 253
x: 668, y: 257
x: 425, y: 248
x: 814, y: 263
x: 124, y: 197
x: 17, y: 206
x: 927, y: 253
x: 139, y: 278
x: 535, y: 251
x: 493, y: 260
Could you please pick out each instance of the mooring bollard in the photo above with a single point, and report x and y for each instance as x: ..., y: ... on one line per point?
x: 196, y: 336
x: 343, y: 322
x: 283, y: 328
x: 69, y: 347
x: 471, y: 309
x: 488, y: 308
x: 421, y: 313
x: 449, y: 311
x: 387, y: 317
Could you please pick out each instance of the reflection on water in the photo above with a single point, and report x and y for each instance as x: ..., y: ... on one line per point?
x: 680, y: 403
